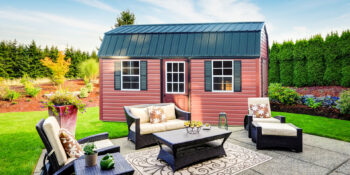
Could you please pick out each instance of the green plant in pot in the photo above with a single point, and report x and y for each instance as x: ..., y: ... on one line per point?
x: 90, y: 154
x: 107, y: 162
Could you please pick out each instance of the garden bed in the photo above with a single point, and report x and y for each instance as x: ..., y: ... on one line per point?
x: 320, y: 91
x: 303, y: 109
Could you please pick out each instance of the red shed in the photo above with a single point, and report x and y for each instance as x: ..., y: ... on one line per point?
x: 205, y: 68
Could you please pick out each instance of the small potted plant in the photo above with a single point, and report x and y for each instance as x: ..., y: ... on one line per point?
x: 64, y: 105
x: 90, y: 154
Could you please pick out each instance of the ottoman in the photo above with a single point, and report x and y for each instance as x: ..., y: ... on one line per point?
x: 277, y: 135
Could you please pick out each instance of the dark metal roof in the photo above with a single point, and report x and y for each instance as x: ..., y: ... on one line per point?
x: 184, y: 40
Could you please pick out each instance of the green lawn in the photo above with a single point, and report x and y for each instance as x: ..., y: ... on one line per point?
x: 20, y: 144
x: 321, y: 126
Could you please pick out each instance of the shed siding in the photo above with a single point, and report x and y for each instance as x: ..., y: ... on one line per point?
x: 206, y: 106
x: 264, y: 63
x: 112, y: 101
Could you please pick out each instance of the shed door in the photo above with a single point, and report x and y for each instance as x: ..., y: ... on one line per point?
x: 175, y: 83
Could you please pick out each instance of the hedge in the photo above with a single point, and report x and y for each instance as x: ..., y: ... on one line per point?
x: 274, y: 68
x: 300, y: 71
x: 286, y: 63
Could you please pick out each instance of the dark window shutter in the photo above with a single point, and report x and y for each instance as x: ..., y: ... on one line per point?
x: 237, y: 76
x: 143, y: 75
x: 117, y: 75
x: 208, y: 75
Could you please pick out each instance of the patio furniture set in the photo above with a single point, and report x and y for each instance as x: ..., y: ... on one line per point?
x: 178, y: 148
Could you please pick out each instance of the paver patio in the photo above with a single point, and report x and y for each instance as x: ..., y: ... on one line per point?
x: 320, y: 155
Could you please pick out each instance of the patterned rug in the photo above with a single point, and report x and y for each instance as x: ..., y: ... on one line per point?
x: 238, y: 159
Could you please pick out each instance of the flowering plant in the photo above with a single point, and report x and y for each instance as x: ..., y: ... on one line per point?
x: 62, y: 98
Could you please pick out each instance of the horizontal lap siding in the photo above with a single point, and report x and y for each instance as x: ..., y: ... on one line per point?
x: 206, y: 106
x: 112, y: 101
x: 265, y: 62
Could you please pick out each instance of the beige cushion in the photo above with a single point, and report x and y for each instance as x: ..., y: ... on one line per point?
x: 260, y: 100
x: 142, y: 113
x: 103, y: 143
x: 277, y: 129
x: 169, y: 111
x: 174, y: 124
x: 267, y: 120
x: 52, y: 130
x: 148, y: 128
x: 69, y: 160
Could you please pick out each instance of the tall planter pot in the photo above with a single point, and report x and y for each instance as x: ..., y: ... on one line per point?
x: 66, y: 117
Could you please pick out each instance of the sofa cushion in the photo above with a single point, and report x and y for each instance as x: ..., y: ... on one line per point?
x: 174, y: 124
x: 277, y: 129
x: 156, y: 114
x: 142, y: 113
x: 148, y: 128
x: 169, y: 111
x: 267, y: 120
x: 52, y: 130
x: 70, y: 145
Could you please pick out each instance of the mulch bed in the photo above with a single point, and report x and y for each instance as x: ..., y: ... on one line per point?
x: 319, y: 91
x: 303, y: 109
x: 24, y: 104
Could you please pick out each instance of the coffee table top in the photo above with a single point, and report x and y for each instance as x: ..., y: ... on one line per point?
x: 121, y: 166
x: 181, y: 137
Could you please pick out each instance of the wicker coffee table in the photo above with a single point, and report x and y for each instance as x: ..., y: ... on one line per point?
x: 183, y: 149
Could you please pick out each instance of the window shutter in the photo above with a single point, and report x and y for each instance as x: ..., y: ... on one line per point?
x: 117, y: 75
x: 208, y: 75
x: 237, y: 76
x: 143, y: 75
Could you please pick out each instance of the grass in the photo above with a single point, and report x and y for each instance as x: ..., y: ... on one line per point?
x: 321, y: 126
x: 21, y: 146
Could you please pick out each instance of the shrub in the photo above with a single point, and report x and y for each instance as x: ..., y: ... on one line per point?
x: 32, y: 91
x: 90, y: 87
x: 344, y: 102
x: 274, y: 68
x: 29, y: 87
x: 286, y: 63
x: 315, y: 61
x: 300, y: 71
x: 284, y: 95
x: 311, y: 102
x: 345, y: 51
x: 332, y: 74
x: 89, y: 69
x: 58, y: 69
x: 11, y: 95
x: 84, y: 92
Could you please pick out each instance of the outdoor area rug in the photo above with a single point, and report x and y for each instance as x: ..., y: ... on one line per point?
x: 238, y: 159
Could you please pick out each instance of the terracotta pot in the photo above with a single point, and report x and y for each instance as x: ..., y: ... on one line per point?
x: 65, y: 119
x: 91, y: 160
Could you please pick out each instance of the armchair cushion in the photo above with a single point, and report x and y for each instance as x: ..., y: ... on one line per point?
x: 52, y: 130
x: 266, y: 120
x: 142, y: 113
x: 169, y: 111
x: 148, y: 128
x: 277, y: 129
x: 174, y: 124
x: 70, y: 145
x: 103, y: 143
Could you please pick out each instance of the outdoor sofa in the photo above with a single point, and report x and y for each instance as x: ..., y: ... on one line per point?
x: 140, y: 129
x: 58, y: 162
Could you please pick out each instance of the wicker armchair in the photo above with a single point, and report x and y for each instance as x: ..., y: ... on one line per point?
x: 249, y: 118
x: 51, y: 164
x: 143, y: 140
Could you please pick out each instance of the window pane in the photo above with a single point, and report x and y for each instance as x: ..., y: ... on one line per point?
x: 134, y: 64
x: 126, y: 85
x: 227, y: 71
x: 218, y: 87
x: 169, y: 77
x: 125, y: 71
x: 169, y: 87
x: 126, y: 63
x: 134, y: 79
x: 217, y: 64
x: 175, y: 77
x: 227, y: 64
x: 126, y: 79
x: 181, y: 87
x: 175, y: 67
x: 217, y: 72
x: 175, y: 87
x: 228, y: 79
x: 134, y: 85
x: 134, y: 71
x: 217, y: 80
x: 181, y: 67
x: 169, y: 67
x: 228, y: 87
x: 181, y: 77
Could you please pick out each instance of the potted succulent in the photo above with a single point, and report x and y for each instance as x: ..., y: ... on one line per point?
x: 64, y: 106
x: 90, y: 154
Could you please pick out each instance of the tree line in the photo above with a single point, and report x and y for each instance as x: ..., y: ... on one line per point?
x: 17, y: 60
x: 314, y: 62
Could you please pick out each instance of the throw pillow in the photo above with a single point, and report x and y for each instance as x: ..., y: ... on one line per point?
x: 70, y: 145
x: 169, y: 111
x: 156, y: 115
x: 141, y: 113
x: 260, y: 110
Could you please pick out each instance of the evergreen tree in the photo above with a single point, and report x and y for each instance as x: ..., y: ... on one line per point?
x: 332, y: 75
x: 286, y: 63
x: 315, y: 61
x: 299, y: 59
x: 274, y: 71
x: 345, y: 58
x: 126, y: 18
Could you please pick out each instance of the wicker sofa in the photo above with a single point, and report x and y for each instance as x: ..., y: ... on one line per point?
x: 140, y: 130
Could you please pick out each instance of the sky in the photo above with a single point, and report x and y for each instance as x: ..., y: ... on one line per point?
x: 81, y: 23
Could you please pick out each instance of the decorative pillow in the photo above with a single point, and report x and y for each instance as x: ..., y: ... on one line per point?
x: 259, y: 110
x: 141, y: 113
x: 70, y: 145
x: 169, y: 111
x: 156, y: 115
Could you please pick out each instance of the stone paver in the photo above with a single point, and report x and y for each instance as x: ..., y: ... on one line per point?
x: 320, y: 156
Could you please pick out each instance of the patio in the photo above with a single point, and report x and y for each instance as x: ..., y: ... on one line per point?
x: 320, y: 155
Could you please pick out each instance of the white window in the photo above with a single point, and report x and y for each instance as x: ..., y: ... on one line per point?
x: 175, y: 77
x: 222, y: 76
x: 130, y: 75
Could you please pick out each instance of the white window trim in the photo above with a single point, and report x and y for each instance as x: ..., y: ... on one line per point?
x: 166, y: 77
x: 212, y: 76
x: 139, y: 89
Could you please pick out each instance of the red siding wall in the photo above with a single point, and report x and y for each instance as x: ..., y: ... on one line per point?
x: 206, y: 106
x: 112, y: 101
x: 264, y: 63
